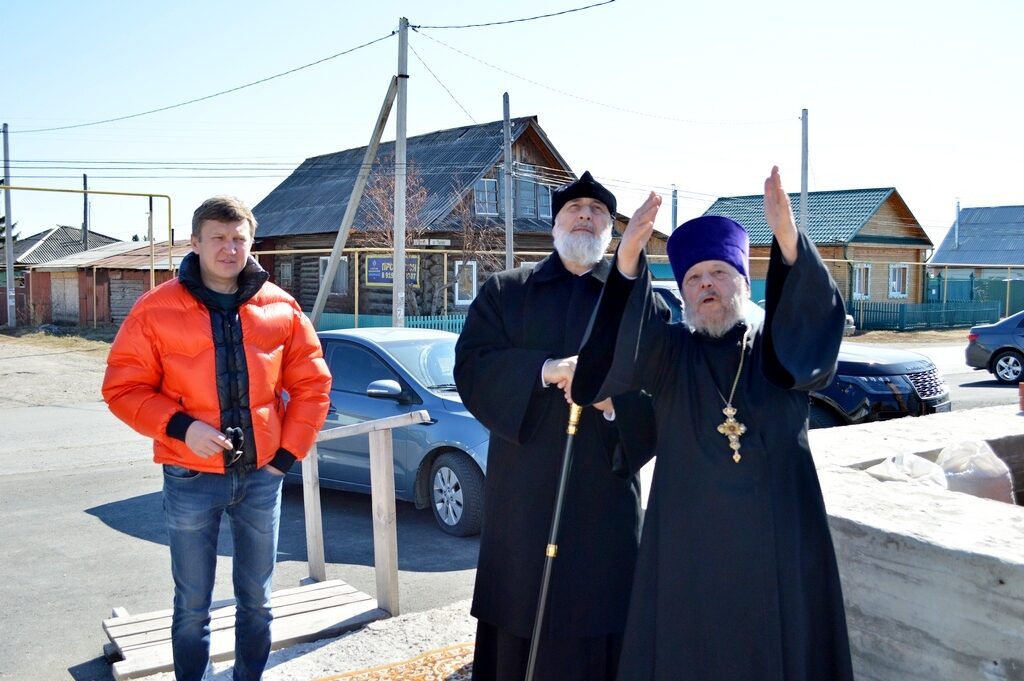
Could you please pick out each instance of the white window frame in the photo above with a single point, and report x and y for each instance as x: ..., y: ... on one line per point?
x: 286, y: 274
x: 894, y: 280
x: 483, y: 191
x: 526, y: 198
x: 859, y: 294
x: 543, y: 207
x: 459, y: 264
x: 340, y: 283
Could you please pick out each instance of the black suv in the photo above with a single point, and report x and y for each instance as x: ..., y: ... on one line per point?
x: 874, y: 384
x: 871, y: 383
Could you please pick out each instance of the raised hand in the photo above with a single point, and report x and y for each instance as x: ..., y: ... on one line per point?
x: 637, y: 234
x: 779, y: 214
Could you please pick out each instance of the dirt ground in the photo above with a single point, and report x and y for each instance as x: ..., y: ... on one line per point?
x: 64, y: 369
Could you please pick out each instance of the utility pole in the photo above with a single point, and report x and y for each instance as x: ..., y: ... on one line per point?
x: 803, y: 172
x: 398, y: 273
x: 152, y: 247
x: 85, y: 212
x: 507, y: 182
x: 675, y: 208
x: 8, y: 235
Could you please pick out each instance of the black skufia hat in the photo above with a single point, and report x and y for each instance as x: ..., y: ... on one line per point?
x: 585, y: 187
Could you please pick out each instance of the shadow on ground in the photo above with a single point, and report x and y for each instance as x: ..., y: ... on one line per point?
x: 348, y: 531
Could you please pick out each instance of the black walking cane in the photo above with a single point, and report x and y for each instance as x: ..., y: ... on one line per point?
x: 552, y: 548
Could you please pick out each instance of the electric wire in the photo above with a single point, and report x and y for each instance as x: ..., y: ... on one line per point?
x: 594, y: 101
x: 431, y: 72
x: 211, y: 96
x: 516, y: 21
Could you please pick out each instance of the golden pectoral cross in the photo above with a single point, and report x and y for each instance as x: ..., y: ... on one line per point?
x: 732, y: 429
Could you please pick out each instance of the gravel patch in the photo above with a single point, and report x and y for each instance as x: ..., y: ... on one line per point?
x: 41, y: 370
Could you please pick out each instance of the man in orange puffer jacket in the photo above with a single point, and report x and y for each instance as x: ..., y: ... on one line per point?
x: 201, y: 365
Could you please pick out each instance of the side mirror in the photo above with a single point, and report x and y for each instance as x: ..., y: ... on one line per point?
x: 387, y: 389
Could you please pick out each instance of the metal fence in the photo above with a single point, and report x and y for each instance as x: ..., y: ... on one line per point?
x: 869, y: 316
x: 448, y: 322
x: 872, y: 316
x: 340, y: 320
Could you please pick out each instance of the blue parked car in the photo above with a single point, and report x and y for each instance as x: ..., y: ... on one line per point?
x: 380, y: 372
x: 998, y: 348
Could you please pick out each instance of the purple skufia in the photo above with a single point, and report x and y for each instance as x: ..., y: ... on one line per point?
x: 710, y: 237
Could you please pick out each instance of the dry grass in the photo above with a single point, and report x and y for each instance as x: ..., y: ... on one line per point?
x: 68, y: 337
x: 924, y: 337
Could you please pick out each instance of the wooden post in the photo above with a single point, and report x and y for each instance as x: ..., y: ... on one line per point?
x: 353, y: 203
x: 385, y: 528
x: 382, y: 489
x: 314, y: 519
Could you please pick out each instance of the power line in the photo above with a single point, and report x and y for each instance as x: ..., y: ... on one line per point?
x: 216, y: 94
x: 594, y: 101
x: 516, y: 21
x: 431, y: 72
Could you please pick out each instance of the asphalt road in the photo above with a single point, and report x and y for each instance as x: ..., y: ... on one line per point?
x: 83, y: 533
x: 968, y: 388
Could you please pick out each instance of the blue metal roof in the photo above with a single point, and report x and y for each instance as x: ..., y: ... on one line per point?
x: 834, y: 217
x: 312, y: 199
x: 986, y: 236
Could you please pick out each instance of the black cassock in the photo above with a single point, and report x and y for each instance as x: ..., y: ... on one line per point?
x: 521, y: 318
x: 736, y: 578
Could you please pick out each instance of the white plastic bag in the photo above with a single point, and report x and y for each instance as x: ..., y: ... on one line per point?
x: 909, y: 468
x: 972, y: 467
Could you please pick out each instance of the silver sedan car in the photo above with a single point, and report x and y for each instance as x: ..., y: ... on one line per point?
x: 381, y: 372
x: 998, y: 348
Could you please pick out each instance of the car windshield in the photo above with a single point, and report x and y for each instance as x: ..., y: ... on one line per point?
x: 430, y: 361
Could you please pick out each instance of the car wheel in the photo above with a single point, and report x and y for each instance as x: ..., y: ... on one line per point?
x: 457, y: 494
x: 1007, y: 366
x: 822, y: 417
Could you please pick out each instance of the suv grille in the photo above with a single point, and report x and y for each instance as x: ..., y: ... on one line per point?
x: 928, y: 384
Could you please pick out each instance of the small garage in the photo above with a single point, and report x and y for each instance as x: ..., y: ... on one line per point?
x: 64, y: 297
x: 123, y: 294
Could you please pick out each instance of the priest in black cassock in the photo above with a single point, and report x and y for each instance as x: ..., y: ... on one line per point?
x: 513, y: 365
x: 736, y: 578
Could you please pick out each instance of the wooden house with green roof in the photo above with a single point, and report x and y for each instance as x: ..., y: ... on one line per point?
x: 874, y: 246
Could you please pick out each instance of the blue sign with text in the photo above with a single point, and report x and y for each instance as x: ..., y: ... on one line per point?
x: 380, y: 270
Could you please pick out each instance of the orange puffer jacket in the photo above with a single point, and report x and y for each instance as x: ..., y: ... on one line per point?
x: 162, y: 363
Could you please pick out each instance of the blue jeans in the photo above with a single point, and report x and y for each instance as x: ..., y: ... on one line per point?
x: 193, y: 506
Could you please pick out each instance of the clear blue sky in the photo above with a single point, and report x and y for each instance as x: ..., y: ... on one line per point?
x: 921, y: 95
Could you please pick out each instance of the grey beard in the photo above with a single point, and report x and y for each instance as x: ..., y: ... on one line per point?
x: 716, y: 328
x: 582, y: 248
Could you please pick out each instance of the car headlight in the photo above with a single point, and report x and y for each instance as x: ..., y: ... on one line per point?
x: 879, y: 385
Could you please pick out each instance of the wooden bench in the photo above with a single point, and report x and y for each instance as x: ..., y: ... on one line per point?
x: 305, y: 613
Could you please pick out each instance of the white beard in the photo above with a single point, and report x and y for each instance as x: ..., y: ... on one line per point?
x: 718, y: 325
x: 582, y: 248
